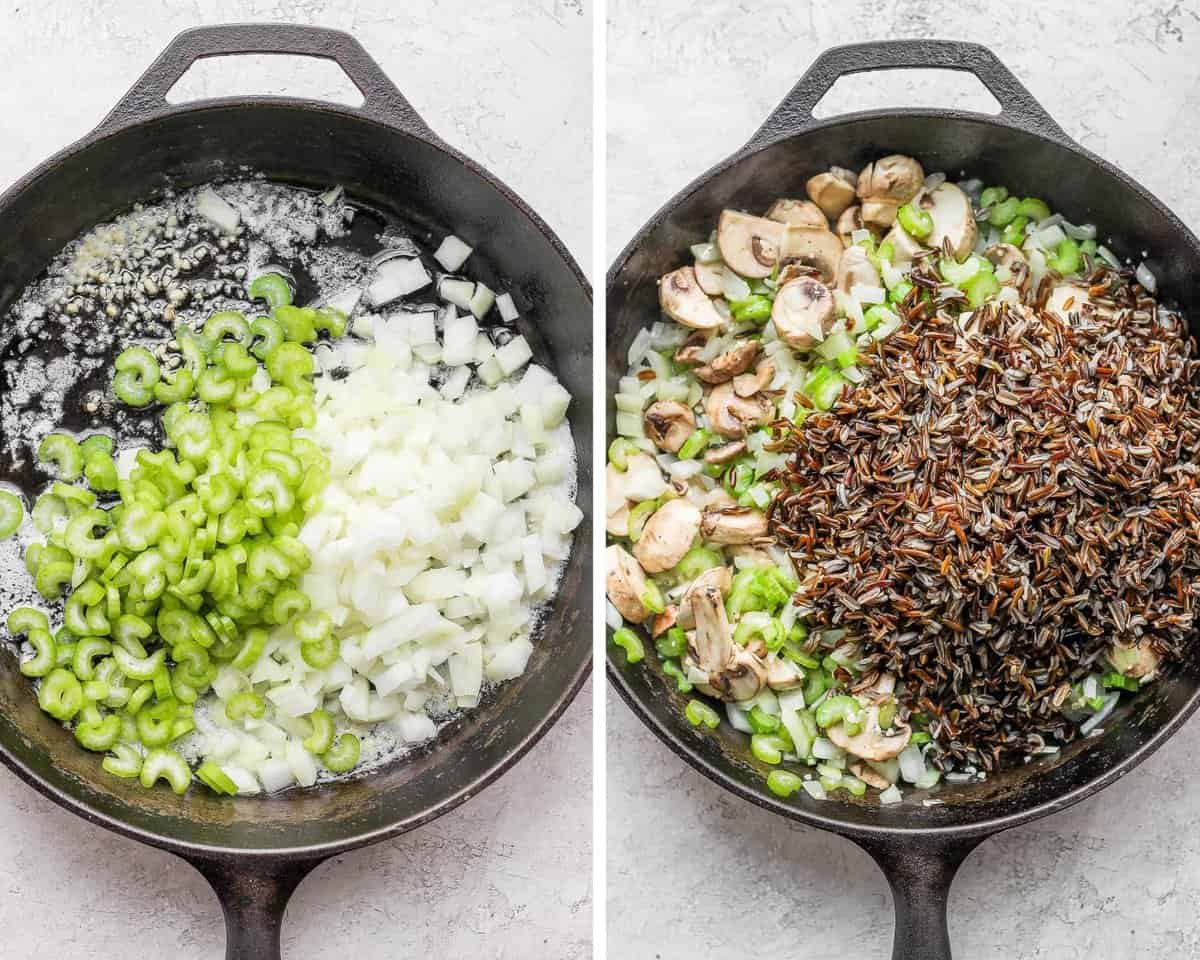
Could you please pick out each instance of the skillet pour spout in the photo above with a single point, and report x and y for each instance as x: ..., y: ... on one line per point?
x: 918, y: 847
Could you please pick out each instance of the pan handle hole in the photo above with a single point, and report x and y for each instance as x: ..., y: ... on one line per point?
x: 947, y: 89
x: 270, y: 74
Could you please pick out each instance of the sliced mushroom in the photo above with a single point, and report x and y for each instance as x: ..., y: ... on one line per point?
x: 856, y: 270
x: 669, y: 424
x: 886, y: 184
x: 833, y: 191
x: 748, y: 384
x: 733, y: 416
x: 894, y: 177
x: 814, y: 247
x: 725, y: 453
x: 803, y: 312
x: 625, y: 584
x: 751, y: 246
x: 718, y: 578
x: 711, y: 277
x: 668, y: 535
x: 1010, y: 263
x: 850, y: 220
x: 733, y: 671
x: 664, y: 621
x: 1066, y: 299
x: 684, y: 301
x: 1138, y: 661
x: 782, y: 674
x: 871, y: 778
x: 953, y: 220
x: 728, y: 525
x: 737, y: 359
x: 691, y: 349
x: 905, y: 247
x: 798, y: 213
x: 872, y: 743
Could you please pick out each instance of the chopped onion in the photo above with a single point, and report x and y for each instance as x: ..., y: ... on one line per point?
x: 868, y: 294
x: 1108, y: 256
x: 1146, y: 278
x: 639, y: 348
x: 508, y: 309
x: 452, y: 253
x: 457, y: 292
x: 1092, y: 722
x: 934, y: 180
x: 814, y: 789
x: 706, y: 252
x: 912, y: 764
x: 1050, y: 237
x: 217, y: 211
x: 1085, y: 231
x: 397, y: 278
x: 737, y: 717
x: 734, y: 287
x: 891, y: 795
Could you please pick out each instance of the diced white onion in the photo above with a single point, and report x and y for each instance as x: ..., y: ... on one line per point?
x: 452, y: 253
x: 217, y: 211
x: 1146, y: 278
x: 508, y: 309
x: 395, y: 278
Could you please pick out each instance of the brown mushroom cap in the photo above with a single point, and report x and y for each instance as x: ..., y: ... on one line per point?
x: 683, y: 300
x: 855, y: 270
x: 748, y: 384
x: 894, y: 177
x: 953, y: 220
x: 668, y: 535
x: 733, y: 416
x: 737, y: 359
x: 725, y: 453
x: 803, y: 312
x: 818, y: 248
x: 832, y: 191
x: 733, y: 525
x: 750, y: 246
x: 798, y: 213
x: 879, y: 215
x: 626, y: 582
x: 669, y: 424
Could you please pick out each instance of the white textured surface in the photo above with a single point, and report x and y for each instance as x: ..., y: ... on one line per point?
x: 694, y: 872
x: 508, y: 875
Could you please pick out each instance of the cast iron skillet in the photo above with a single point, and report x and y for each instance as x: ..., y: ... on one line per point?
x: 255, y: 852
x: 918, y: 848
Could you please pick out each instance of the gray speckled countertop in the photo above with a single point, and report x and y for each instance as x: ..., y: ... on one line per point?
x: 1113, y: 878
x: 508, y: 875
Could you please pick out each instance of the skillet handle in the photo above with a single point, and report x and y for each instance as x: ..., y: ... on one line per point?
x: 920, y: 870
x: 381, y: 100
x: 1018, y: 107
x: 253, y: 895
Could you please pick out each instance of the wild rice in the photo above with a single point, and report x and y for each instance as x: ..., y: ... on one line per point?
x: 998, y: 502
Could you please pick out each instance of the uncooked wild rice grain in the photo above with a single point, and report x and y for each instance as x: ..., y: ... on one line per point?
x: 1003, y: 497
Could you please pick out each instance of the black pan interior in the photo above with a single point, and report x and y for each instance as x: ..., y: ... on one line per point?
x: 1084, y: 189
x: 431, y: 190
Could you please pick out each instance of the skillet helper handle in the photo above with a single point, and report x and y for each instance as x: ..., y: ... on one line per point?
x: 920, y: 871
x: 1018, y: 107
x: 253, y: 898
x: 381, y: 100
